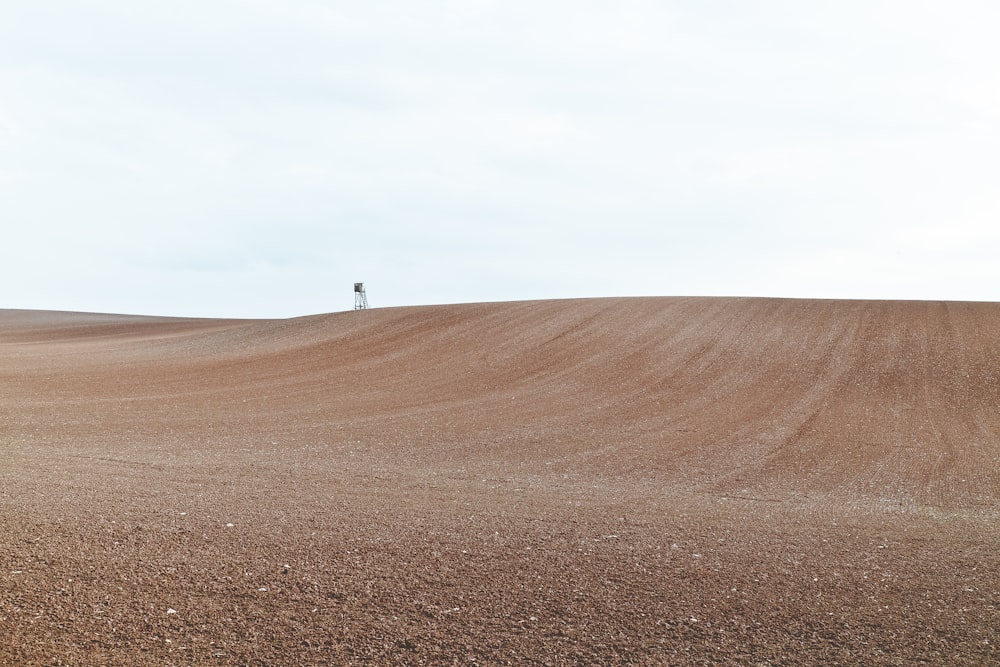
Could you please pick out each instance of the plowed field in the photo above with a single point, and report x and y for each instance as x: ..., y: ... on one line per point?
x: 682, y: 481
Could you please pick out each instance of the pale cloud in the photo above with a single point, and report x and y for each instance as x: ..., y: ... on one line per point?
x: 209, y: 157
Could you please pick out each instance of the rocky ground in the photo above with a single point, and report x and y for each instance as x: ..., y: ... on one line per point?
x: 610, y: 481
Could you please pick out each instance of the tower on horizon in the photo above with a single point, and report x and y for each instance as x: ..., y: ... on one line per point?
x: 360, y: 298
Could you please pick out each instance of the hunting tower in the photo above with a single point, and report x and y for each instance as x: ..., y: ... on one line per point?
x: 360, y: 298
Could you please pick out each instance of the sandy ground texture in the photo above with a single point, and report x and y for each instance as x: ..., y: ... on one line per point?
x: 660, y: 481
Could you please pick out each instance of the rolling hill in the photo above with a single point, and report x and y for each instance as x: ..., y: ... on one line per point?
x: 633, y: 481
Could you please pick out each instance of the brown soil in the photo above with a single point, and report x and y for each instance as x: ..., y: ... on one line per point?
x: 608, y: 481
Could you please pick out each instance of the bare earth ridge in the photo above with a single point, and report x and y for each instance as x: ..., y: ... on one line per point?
x: 606, y: 481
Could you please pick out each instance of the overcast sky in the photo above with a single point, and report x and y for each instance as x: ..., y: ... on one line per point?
x: 255, y: 158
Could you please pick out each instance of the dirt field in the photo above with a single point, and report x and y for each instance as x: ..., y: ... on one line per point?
x: 610, y: 481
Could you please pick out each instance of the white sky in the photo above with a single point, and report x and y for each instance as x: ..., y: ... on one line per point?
x: 256, y: 157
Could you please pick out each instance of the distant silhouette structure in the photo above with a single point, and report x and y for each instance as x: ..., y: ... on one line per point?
x: 360, y: 298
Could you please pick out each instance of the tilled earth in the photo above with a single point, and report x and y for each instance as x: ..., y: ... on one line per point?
x: 609, y: 481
